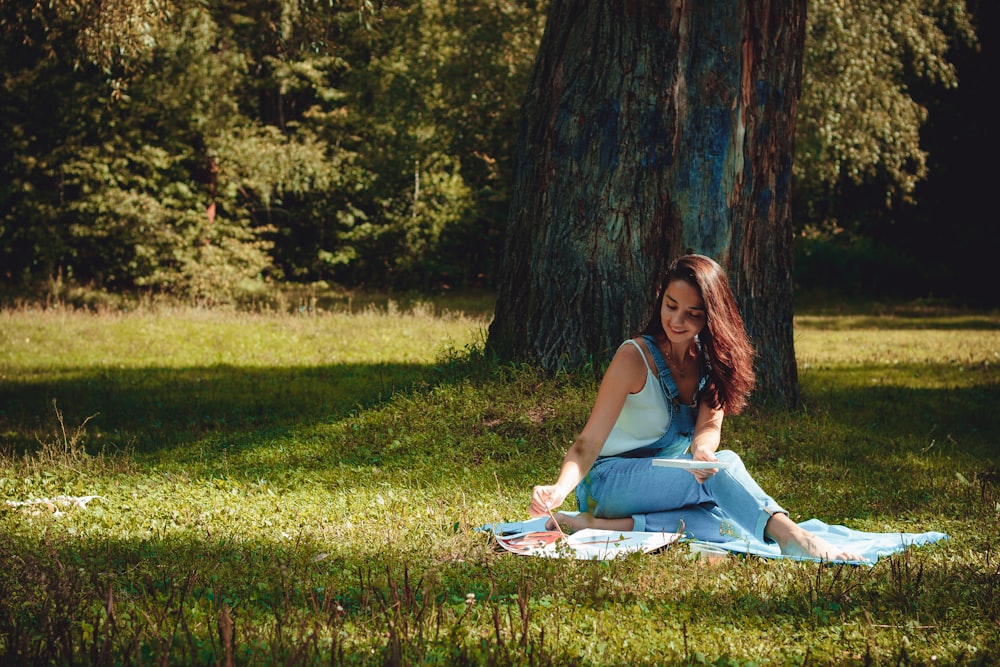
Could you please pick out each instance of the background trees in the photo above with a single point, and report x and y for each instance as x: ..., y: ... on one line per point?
x: 873, y: 72
x: 223, y: 144
x: 204, y: 148
x: 146, y: 170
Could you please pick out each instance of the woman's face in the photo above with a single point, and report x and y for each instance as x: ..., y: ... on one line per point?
x: 683, y: 312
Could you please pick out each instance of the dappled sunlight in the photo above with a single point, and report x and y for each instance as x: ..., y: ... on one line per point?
x: 836, y: 347
x: 194, y: 337
x: 195, y: 410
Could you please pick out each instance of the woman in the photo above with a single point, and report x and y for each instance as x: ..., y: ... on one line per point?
x: 664, y: 394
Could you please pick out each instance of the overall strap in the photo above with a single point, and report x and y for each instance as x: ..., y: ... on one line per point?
x: 663, y: 372
x: 667, y: 378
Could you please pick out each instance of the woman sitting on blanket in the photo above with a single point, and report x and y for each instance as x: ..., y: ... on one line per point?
x: 664, y: 394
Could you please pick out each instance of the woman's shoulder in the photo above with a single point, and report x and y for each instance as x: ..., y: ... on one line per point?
x: 636, y: 343
x: 634, y: 348
x: 634, y: 355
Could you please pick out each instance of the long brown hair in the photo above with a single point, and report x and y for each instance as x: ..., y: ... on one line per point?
x: 725, y: 345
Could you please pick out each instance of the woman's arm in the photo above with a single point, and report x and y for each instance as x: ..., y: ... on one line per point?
x: 706, y: 439
x: 625, y: 375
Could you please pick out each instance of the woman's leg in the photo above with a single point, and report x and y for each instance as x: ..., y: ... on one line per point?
x: 632, y: 494
x: 733, y: 488
x: 741, y: 498
x: 617, y: 488
x: 574, y: 522
x: 633, y: 491
x: 699, y: 521
x: 706, y: 522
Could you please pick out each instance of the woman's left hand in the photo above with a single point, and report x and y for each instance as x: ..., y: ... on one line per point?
x: 703, y: 474
x: 707, y: 435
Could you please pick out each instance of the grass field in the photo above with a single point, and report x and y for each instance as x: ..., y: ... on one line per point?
x: 302, y: 488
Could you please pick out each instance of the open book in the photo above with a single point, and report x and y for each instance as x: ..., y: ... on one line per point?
x: 531, y: 538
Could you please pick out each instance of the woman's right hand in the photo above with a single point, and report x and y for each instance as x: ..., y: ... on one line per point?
x: 544, y: 499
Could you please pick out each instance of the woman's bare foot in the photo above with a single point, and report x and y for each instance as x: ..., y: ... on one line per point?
x: 809, y: 545
x: 571, y: 523
x: 796, y: 541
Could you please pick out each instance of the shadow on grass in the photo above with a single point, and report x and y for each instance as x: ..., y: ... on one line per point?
x: 151, y: 409
x: 874, y: 402
x: 878, y: 450
x: 922, y: 313
x: 901, y: 322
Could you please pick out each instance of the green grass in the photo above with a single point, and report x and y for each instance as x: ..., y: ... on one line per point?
x: 302, y: 489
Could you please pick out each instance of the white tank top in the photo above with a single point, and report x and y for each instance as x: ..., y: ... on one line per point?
x: 644, y: 418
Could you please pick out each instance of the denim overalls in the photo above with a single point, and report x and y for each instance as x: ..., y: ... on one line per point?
x: 729, y: 505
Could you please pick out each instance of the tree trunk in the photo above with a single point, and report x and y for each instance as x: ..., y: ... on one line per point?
x: 652, y: 129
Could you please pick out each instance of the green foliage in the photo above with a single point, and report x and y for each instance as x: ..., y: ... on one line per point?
x: 132, y: 198
x: 858, y: 120
x: 851, y: 265
x: 301, y: 488
x: 197, y: 147
x: 201, y: 148
x: 434, y: 109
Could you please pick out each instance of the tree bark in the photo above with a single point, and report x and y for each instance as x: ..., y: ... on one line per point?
x: 652, y: 129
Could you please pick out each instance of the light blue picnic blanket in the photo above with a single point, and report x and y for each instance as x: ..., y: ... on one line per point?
x: 870, y: 546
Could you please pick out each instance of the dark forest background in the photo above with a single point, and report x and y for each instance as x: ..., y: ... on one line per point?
x: 215, y: 151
